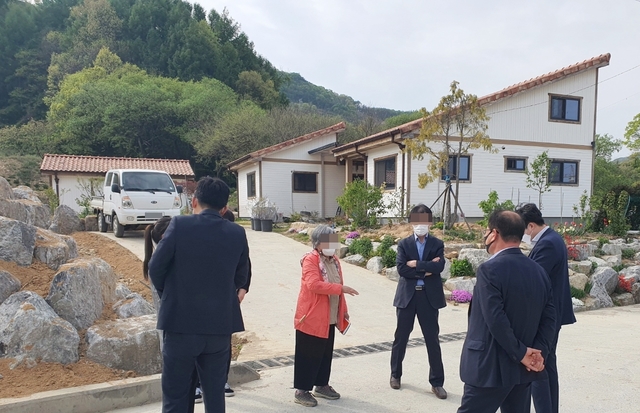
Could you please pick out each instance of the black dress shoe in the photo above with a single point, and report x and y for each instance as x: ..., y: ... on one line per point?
x: 394, y: 383
x: 440, y: 392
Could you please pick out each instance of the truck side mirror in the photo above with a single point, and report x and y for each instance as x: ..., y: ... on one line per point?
x: 179, y: 188
x: 115, y: 188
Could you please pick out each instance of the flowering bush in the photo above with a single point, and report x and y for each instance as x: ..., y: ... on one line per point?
x: 572, y: 253
x: 570, y: 228
x: 353, y: 235
x: 461, y: 296
x: 623, y: 284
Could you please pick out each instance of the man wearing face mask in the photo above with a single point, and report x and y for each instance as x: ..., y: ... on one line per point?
x: 511, y: 324
x: 550, y: 251
x: 420, y: 261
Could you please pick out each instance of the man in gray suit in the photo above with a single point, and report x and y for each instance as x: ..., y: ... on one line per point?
x: 197, y: 268
x: 511, y: 324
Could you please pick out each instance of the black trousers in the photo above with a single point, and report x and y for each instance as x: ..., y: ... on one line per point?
x: 546, y: 393
x: 428, y: 319
x: 209, y: 353
x: 512, y: 399
x: 312, y: 364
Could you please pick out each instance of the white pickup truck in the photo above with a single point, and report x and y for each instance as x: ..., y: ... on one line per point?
x: 135, y: 197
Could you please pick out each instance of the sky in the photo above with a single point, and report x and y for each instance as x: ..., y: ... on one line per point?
x: 403, y: 54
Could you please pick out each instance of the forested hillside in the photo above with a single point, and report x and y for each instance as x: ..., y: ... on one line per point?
x: 152, y: 78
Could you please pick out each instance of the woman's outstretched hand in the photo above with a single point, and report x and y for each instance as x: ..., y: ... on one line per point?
x: 348, y: 290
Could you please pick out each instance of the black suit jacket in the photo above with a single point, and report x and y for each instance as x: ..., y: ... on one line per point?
x: 551, y: 253
x: 409, y: 277
x: 197, y: 267
x: 512, y: 310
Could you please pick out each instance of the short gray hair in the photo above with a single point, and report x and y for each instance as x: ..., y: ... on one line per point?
x: 317, y: 233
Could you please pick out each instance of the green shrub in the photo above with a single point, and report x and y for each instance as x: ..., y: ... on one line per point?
x: 598, y: 252
x: 619, y: 268
x: 385, y: 243
x: 603, y: 240
x: 491, y: 204
x: 576, y: 293
x: 438, y: 225
x: 594, y: 265
x: 628, y: 254
x: 362, y: 246
x: 461, y: 234
x: 461, y: 268
x: 362, y: 203
x: 295, y: 217
x: 587, y: 287
x: 389, y: 258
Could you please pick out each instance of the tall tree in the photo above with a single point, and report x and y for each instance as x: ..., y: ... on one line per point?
x: 457, y: 125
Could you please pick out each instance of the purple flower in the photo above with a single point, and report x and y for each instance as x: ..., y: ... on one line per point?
x: 353, y: 235
x: 461, y: 296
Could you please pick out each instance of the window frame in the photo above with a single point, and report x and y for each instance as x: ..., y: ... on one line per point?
x: 293, y: 182
x: 251, y: 177
x: 443, y: 171
x: 517, y: 158
x: 565, y: 98
x: 388, y: 186
x: 563, y: 161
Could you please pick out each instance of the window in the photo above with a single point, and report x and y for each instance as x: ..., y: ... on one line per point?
x: 563, y: 172
x: 107, y: 181
x: 305, y: 182
x: 357, y: 170
x: 116, y: 179
x: 385, y: 173
x: 564, y: 109
x: 251, y: 185
x: 515, y: 164
x: 464, y: 175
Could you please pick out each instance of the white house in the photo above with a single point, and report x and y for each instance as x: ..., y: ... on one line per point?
x: 71, y: 176
x: 555, y: 112
x: 300, y: 174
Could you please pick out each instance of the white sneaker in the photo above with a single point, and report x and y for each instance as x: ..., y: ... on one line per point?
x: 198, y: 395
x: 228, y: 391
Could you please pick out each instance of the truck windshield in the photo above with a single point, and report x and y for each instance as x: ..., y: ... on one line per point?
x: 147, y: 181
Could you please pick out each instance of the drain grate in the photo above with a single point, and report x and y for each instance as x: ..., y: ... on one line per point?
x: 349, y: 351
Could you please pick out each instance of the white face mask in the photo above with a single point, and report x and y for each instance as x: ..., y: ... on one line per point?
x: 329, y: 252
x: 421, y: 230
x: 526, y: 238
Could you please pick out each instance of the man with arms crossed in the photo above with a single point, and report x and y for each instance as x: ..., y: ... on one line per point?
x: 511, y: 324
x: 550, y: 251
x: 197, y: 267
x: 420, y: 261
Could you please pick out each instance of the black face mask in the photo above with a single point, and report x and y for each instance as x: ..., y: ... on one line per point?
x: 486, y: 246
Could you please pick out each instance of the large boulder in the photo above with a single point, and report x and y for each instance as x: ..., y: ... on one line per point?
x: 631, y: 273
x: 612, y: 249
x: 601, y: 298
x: 446, y: 272
x: 474, y: 256
x: 463, y: 284
x: 122, y: 291
x: 578, y: 305
x: 578, y: 281
x: 583, y: 267
x: 81, y: 289
x: 606, y: 277
x: 599, y: 262
x: 54, y: 249
x: 341, y: 252
x: 581, y: 251
x: 133, y: 305
x: 375, y: 265
x: 8, y: 285
x: 623, y: 299
x: 131, y: 344
x: 17, y: 241
x: 5, y: 189
x: 27, y: 211
x: 392, y: 273
x: 635, y: 291
x: 65, y: 221
x: 355, y: 259
x: 24, y: 192
x: 612, y: 260
x: 29, y: 328
x: 91, y: 223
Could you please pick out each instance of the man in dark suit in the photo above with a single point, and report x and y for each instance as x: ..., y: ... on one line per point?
x: 511, y: 324
x: 550, y: 251
x: 197, y: 267
x: 420, y: 260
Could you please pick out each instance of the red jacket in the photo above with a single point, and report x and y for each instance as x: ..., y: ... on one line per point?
x: 312, y: 310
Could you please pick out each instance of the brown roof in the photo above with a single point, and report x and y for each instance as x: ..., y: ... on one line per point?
x: 338, y: 127
x: 101, y: 164
x: 596, y: 62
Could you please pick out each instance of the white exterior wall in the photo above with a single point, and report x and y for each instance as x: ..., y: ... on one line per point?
x: 69, y: 189
x: 244, y: 202
x: 525, y: 116
x: 277, y: 173
x: 487, y: 174
x: 385, y: 152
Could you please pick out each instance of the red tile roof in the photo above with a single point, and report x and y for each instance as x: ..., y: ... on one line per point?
x: 101, y: 164
x: 338, y: 127
x: 595, y: 62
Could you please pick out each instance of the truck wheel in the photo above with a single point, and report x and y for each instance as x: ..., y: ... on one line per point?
x: 118, y: 229
x: 102, y: 224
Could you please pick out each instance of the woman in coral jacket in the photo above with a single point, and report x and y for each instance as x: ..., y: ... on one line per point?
x: 321, y: 309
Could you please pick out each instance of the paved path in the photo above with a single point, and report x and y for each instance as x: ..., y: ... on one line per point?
x: 598, y: 356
